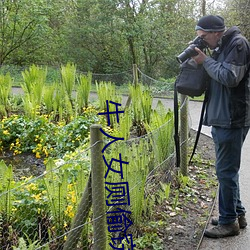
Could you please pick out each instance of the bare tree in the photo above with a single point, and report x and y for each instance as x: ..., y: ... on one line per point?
x: 20, y: 22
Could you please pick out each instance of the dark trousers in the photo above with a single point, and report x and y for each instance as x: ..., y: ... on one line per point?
x: 228, y: 145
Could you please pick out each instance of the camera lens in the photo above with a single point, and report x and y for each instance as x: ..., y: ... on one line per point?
x: 187, y: 53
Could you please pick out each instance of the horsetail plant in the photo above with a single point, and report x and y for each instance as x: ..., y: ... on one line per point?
x: 83, y: 90
x: 141, y: 105
x: 33, y: 85
x: 68, y: 74
x: 48, y: 98
x: 56, y: 184
x: 106, y: 92
x: 161, y: 126
x: 6, y: 184
x: 5, y: 89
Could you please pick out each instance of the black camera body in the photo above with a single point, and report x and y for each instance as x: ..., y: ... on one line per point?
x: 190, y: 51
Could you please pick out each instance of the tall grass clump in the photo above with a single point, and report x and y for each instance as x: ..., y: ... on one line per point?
x: 83, y: 91
x: 5, y: 90
x: 33, y: 85
x: 161, y: 132
x: 68, y: 74
x: 106, y: 92
x: 48, y: 97
x: 141, y: 106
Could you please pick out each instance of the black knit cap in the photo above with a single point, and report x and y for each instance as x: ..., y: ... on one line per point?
x: 210, y: 23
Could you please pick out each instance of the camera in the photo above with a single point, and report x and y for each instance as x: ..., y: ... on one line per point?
x: 190, y: 51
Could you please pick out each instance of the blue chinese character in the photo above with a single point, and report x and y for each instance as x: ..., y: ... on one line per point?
x: 112, y: 112
x: 110, y: 136
x: 119, y: 222
x: 112, y: 169
x: 119, y: 194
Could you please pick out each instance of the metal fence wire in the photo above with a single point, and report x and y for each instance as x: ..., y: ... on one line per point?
x: 86, y: 202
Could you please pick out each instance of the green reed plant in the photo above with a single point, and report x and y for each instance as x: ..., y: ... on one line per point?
x: 48, y: 98
x: 65, y: 181
x: 56, y: 184
x: 83, y: 90
x: 161, y: 132
x: 135, y: 92
x: 122, y: 129
x: 146, y: 100
x: 139, y: 161
x: 33, y: 85
x: 5, y: 90
x: 6, y: 184
x: 106, y: 91
x: 68, y: 74
x: 141, y: 104
x: 62, y: 105
x: 137, y: 153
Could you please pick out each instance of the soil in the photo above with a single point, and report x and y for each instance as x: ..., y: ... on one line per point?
x: 25, y: 164
x: 179, y: 220
x: 187, y: 222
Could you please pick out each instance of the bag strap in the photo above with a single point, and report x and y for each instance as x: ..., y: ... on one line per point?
x: 176, y: 126
x: 199, y: 127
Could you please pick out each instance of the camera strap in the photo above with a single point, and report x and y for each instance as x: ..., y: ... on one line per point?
x: 199, y: 127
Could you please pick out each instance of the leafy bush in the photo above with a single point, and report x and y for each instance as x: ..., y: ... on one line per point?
x: 44, y: 138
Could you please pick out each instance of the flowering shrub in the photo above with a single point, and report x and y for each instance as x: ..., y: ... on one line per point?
x: 47, y: 204
x: 43, y: 137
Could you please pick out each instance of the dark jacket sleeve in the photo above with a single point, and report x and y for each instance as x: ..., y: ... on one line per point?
x: 234, y: 66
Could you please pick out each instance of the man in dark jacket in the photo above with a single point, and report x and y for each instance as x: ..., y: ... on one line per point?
x: 228, y: 112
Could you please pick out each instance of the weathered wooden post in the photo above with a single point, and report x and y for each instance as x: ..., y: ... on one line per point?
x: 98, y: 188
x: 135, y: 82
x: 135, y: 74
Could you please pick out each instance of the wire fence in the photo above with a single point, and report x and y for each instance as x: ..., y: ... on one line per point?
x: 80, y: 204
x: 158, y: 87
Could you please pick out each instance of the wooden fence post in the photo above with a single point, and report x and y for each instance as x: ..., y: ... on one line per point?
x: 135, y: 74
x: 135, y: 82
x: 98, y: 188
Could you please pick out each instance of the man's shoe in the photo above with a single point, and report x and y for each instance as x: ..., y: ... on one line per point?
x: 241, y: 219
x: 221, y: 231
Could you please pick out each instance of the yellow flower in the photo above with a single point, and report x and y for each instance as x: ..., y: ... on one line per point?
x: 37, y: 196
x: 73, y: 199
x: 14, y: 209
x: 69, y: 211
x: 38, y: 156
x: 45, y: 151
x: 31, y: 187
x: 6, y: 132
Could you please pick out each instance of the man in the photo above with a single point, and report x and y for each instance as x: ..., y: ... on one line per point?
x: 228, y: 112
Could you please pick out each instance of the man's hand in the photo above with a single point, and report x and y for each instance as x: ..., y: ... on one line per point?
x: 200, y: 58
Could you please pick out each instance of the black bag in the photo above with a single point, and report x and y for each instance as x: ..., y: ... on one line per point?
x: 192, y: 80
